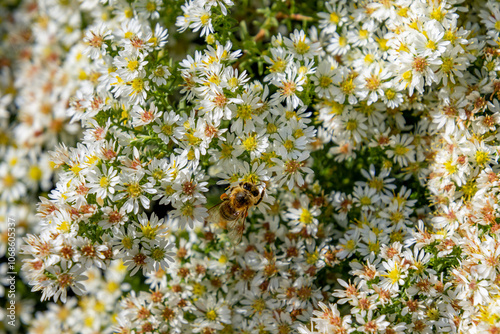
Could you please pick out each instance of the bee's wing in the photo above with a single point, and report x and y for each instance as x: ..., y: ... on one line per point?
x: 214, y: 216
x: 235, y: 228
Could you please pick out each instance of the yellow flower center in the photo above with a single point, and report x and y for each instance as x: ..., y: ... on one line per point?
x: 233, y: 82
x: 199, y: 289
x: 302, y: 47
x: 259, y: 305
x: 482, y: 157
x: 244, y: 111
x: 325, y: 81
x: 289, y: 145
x: 134, y: 189
x: 347, y: 86
x: 272, y: 128
x: 148, y: 231
x: 376, y: 184
x: 403, y: 11
x: 431, y: 45
x: 351, y: 125
x: 150, y: 6
x: 334, y: 18
x: 76, y: 169
x: 129, y: 13
x: 374, y: 246
x: 278, y: 66
x: 433, y: 314
x: 298, y: 133
x: 187, y: 209
x: 133, y: 65
x: 350, y: 245
x: 365, y: 200
x: 104, y: 182
x: 306, y: 217
x: 127, y: 242
x: 167, y: 129
x: 342, y: 41
x: 394, y: 274
x: 437, y: 14
x: 64, y: 226
x: 158, y: 254
x: 407, y: 76
x: 138, y: 85
x: 400, y: 150
x: 250, y: 143
x: 396, y: 236
x: 226, y: 151
x: 204, y: 19
x: 390, y: 93
x: 312, y: 258
x: 211, y: 315
x: 450, y: 167
x: 35, y: 173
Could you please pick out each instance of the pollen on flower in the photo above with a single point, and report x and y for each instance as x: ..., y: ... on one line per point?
x: 158, y: 254
x: 394, y: 274
x: 137, y: 84
x: 374, y: 246
x: 431, y: 45
x: 104, y: 182
x: 244, y: 111
x: 148, y: 231
x: 134, y: 189
x: 482, y: 157
x: 272, y: 128
x: 400, y: 150
x: 139, y: 259
x: 278, y: 66
x: 288, y: 88
x: 351, y: 125
x: 420, y: 64
x: 373, y: 83
x: 292, y: 166
x: 187, y: 209
x: 96, y: 41
x: 250, y: 143
x: 35, y: 173
x: 302, y: 47
x: 306, y: 216
x: 334, y: 18
x: 133, y: 65
x: 226, y: 150
x: 325, y: 81
x: 347, y: 86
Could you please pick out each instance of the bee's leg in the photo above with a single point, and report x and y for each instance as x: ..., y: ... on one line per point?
x: 261, y: 195
x: 260, y: 198
x: 224, y: 197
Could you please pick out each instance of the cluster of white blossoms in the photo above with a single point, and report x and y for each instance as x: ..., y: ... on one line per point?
x: 446, y: 277
x: 368, y: 128
x: 38, y: 76
x: 93, y: 313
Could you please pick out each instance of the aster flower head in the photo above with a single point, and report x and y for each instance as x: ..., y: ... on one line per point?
x: 96, y: 38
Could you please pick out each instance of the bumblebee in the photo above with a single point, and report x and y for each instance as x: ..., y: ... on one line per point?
x: 231, y: 213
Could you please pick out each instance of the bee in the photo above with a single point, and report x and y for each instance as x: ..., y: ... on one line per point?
x: 230, y: 214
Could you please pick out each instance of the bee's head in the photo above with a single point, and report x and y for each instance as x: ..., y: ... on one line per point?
x: 252, y: 188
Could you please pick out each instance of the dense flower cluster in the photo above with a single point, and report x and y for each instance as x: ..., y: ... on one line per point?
x: 38, y: 78
x: 368, y: 129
